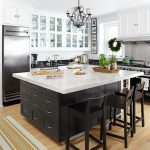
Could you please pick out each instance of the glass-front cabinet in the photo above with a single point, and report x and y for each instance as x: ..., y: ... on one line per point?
x: 51, y: 32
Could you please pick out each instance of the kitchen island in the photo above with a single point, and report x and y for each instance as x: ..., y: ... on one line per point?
x: 44, y: 101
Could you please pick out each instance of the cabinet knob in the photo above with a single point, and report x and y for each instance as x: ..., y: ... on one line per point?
x: 25, y: 99
x: 35, y: 95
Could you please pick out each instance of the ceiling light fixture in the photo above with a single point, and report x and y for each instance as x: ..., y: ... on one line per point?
x: 78, y: 15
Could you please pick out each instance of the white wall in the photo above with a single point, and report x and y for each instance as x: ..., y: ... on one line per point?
x: 100, y: 20
x: 138, y: 51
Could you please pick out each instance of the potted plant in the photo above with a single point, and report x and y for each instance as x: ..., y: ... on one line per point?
x: 104, y: 61
x: 113, y: 61
x: 114, y: 46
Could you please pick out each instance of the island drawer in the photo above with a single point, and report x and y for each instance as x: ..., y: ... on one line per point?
x: 36, y: 117
x: 36, y: 100
x: 36, y: 88
x: 50, y: 94
x: 26, y: 111
x: 24, y: 90
x: 51, y: 127
x: 25, y: 99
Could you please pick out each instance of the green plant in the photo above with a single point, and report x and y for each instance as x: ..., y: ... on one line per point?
x: 113, y: 59
x: 103, y: 60
x: 112, y: 46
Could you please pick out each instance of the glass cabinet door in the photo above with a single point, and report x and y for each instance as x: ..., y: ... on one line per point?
x: 74, y: 29
x: 68, y: 26
x: 43, y: 23
x: 81, y: 41
x: 86, y: 40
x: 34, y: 24
x: 42, y: 39
x: 74, y: 41
x: 59, y: 24
x: 34, y: 39
x: 68, y: 40
x: 52, y: 40
x: 87, y: 28
x: 52, y: 24
x: 59, y: 40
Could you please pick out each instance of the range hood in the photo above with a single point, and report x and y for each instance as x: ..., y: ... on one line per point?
x: 139, y: 39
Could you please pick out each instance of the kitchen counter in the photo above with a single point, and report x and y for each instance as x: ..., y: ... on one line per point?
x: 71, y: 83
x: 44, y: 102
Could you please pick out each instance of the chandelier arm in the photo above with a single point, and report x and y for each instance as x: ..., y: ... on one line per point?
x: 78, y: 3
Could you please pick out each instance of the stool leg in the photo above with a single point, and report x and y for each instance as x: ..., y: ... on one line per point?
x: 68, y: 131
x: 104, y: 131
x: 114, y: 116
x: 142, y: 111
x: 131, y: 119
x: 110, y: 118
x: 101, y: 130
x: 134, y: 116
x: 87, y: 134
x: 125, y: 127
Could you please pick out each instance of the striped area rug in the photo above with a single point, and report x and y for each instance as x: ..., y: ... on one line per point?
x: 14, y: 137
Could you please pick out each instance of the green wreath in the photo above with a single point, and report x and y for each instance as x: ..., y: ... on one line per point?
x: 112, y: 47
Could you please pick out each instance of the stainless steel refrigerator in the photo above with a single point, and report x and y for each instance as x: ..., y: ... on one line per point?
x: 15, y: 58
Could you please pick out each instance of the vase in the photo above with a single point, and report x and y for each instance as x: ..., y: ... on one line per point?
x: 114, y: 66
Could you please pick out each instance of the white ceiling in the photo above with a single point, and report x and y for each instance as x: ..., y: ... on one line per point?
x: 98, y: 7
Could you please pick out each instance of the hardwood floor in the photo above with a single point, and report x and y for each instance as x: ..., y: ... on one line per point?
x: 140, y: 141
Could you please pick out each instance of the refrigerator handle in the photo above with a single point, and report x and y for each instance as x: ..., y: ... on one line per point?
x: 28, y: 62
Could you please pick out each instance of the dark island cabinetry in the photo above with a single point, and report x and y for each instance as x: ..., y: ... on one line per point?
x: 48, y: 109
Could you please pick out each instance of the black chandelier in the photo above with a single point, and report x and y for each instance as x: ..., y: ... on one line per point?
x: 78, y: 15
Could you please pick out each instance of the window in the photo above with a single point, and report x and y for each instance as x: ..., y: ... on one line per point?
x: 109, y: 31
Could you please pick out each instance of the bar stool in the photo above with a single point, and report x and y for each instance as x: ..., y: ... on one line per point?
x: 138, y: 95
x: 121, y: 101
x: 94, y: 107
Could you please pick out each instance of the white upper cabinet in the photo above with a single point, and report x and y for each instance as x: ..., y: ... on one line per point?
x: 133, y: 23
x: 16, y: 16
x: 123, y: 25
x: 54, y: 32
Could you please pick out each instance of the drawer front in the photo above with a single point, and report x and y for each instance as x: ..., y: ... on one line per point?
x: 36, y: 117
x: 51, y: 127
x: 50, y: 94
x: 35, y: 88
x: 36, y: 100
x: 26, y: 111
x: 49, y: 105
x: 24, y: 90
x: 25, y: 99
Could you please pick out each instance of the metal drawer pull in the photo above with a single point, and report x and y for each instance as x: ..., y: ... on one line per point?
x: 49, y: 101
x: 25, y: 110
x: 25, y: 99
x: 34, y: 95
x: 36, y: 118
x: 49, y: 127
x: 49, y: 112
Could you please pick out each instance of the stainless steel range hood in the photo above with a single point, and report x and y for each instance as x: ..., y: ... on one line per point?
x: 139, y: 39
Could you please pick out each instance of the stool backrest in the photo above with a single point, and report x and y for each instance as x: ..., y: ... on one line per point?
x: 140, y: 87
x: 129, y: 94
x: 96, y: 102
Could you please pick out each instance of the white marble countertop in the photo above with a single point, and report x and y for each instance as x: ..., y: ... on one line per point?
x: 71, y: 83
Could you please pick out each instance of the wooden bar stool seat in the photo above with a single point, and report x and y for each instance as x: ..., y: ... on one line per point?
x: 93, y: 107
x: 123, y: 102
